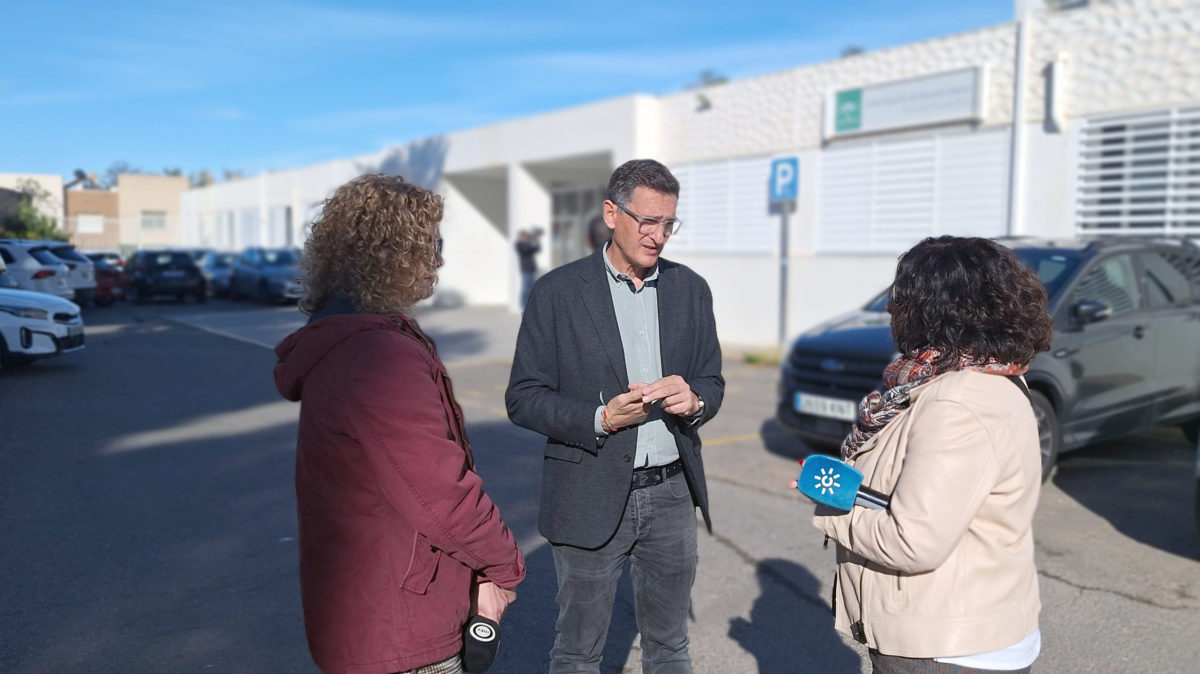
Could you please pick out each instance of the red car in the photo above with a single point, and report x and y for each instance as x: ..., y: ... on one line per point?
x: 111, y: 284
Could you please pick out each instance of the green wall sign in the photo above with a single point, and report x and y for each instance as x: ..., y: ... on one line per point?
x: 848, y: 115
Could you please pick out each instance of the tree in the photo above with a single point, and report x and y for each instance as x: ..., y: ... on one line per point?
x: 708, y: 78
x: 109, y: 179
x: 168, y: 171
x: 232, y: 174
x: 201, y: 178
x: 29, y: 221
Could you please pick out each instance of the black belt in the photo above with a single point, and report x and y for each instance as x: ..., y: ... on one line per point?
x: 648, y: 477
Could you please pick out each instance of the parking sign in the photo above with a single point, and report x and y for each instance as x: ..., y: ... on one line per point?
x: 785, y: 179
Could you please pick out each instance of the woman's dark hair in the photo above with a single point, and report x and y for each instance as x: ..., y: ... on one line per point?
x: 969, y: 296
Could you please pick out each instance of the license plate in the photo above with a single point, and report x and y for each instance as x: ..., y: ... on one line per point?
x: 172, y: 273
x: 821, y: 406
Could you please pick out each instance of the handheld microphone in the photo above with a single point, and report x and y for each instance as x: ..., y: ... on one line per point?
x: 837, y: 484
x: 481, y: 638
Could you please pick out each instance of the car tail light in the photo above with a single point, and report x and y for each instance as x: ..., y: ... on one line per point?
x: 43, y: 273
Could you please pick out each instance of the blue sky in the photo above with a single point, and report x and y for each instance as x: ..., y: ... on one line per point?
x: 256, y: 86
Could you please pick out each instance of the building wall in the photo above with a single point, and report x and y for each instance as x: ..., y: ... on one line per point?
x: 783, y: 112
x: 1109, y: 56
x: 102, y: 203
x: 1120, y: 55
x: 138, y: 194
x: 52, y: 205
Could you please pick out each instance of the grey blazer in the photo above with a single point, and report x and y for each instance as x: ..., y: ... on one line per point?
x: 569, y: 360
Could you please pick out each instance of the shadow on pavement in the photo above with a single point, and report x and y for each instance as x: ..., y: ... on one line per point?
x: 1134, y: 481
x: 789, y: 630
x: 784, y: 443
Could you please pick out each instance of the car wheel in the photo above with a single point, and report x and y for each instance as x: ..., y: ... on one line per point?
x: 234, y: 295
x: 201, y: 296
x: 264, y: 292
x: 1191, y: 430
x: 136, y: 295
x: 1049, y: 435
x: 104, y: 301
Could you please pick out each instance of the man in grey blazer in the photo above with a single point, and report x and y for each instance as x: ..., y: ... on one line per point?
x: 618, y: 365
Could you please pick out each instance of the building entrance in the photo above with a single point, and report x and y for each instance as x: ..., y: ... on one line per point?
x: 572, y: 211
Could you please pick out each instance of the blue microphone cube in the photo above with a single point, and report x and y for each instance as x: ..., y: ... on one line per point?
x: 829, y: 482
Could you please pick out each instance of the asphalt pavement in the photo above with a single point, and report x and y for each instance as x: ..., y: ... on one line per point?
x: 147, y: 516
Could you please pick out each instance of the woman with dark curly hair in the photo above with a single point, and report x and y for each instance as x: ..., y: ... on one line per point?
x: 397, y: 537
x: 943, y: 580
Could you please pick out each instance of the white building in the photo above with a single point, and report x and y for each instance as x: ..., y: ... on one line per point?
x: 892, y: 146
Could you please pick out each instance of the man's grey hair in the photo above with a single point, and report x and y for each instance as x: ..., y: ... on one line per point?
x: 640, y: 173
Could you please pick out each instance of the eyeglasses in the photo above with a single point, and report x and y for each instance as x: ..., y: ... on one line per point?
x: 649, y: 225
x: 437, y: 246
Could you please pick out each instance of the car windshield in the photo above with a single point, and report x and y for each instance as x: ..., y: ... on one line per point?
x: 168, y: 259
x: 280, y: 257
x: 220, y: 260
x: 1053, y: 267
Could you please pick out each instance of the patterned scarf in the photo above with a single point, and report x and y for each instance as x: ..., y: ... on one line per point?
x: 899, y: 379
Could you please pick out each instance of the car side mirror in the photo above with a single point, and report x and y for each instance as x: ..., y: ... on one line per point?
x: 1090, y: 311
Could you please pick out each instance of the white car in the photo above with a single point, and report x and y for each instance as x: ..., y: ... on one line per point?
x: 36, y: 268
x: 82, y: 274
x: 37, y: 325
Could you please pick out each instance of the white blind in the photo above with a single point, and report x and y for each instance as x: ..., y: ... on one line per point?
x: 89, y: 223
x: 885, y: 194
x: 724, y: 209
x: 1140, y: 174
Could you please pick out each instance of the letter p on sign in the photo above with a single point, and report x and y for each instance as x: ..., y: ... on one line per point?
x: 785, y: 179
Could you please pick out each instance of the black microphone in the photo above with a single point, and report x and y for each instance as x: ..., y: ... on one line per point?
x: 481, y: 639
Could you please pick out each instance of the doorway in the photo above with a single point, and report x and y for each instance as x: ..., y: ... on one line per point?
x: 572, y: 210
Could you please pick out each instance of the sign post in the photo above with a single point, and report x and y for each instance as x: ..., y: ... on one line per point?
x: 785, y: 187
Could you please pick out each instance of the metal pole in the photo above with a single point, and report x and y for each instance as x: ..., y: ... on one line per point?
x: 1016, y: 151
x: 784, y: 207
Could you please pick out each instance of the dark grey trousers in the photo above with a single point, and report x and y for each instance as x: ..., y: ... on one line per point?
x: 658, y: 533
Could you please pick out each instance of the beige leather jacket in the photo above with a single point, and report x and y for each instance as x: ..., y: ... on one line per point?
x: 948, y: 569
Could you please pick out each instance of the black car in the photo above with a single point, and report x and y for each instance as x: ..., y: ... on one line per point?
x: 151, y: 273
x: 1125, y: 354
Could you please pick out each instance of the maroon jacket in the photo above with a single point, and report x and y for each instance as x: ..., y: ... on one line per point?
x: 393, y: 518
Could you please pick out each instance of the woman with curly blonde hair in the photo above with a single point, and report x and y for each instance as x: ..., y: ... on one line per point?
x: 376, y: 245
x: 398, y: 540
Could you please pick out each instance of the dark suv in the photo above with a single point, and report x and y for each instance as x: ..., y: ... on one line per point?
x: 1125, y: 354
x: 150, y: 273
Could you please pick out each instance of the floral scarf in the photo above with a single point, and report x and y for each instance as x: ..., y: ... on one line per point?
x: 899, y: 379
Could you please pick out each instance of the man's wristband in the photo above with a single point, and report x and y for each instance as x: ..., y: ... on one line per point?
x: 606, y: 424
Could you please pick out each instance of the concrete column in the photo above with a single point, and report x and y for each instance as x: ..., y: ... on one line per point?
x: 528, y: 206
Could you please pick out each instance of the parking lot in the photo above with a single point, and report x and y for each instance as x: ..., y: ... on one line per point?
x: 148, y: 516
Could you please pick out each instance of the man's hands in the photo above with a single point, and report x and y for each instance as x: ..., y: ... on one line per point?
x: 676, y: 396
x: 491, y: 600
x: 627, y: 409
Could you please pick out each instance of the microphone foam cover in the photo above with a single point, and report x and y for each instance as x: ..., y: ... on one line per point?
x: 829, y: 482
x: 481, y: 638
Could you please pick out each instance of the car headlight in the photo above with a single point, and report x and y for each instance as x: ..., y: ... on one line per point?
x: 25, y: 312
